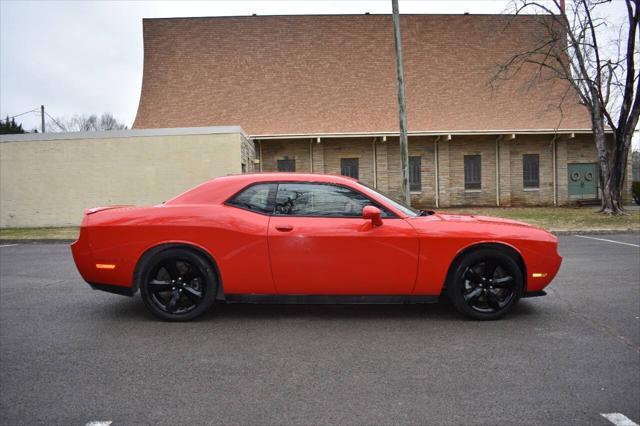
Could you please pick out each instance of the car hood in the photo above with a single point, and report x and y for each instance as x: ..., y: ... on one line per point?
x: 471, y: 218
x: 478, y: 226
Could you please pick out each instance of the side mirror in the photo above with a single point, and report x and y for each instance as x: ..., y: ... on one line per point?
x: 372, y: 213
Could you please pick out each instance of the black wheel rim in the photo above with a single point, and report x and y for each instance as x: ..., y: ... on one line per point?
x: 488, y: 286
x: 176, y: 286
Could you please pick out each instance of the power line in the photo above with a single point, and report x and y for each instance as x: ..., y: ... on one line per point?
x: 39, y: 111
x: 55, y: 121
x: 23, y: 113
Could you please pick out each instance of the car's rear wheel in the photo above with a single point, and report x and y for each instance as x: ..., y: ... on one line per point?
x: 177, y: 284
x: 486, y: 284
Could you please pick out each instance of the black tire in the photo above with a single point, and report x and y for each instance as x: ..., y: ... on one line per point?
x: 177, y: 284
x: 485, y: 284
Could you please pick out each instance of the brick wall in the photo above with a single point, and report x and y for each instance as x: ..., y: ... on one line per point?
x: 335, y: 149
x: 581, y: 149
x: 297, y: 149
x: 423, y: 147
x: 516, y: 149
x: 471, y: 145
x: 386, y: 174
x: 247, y: 155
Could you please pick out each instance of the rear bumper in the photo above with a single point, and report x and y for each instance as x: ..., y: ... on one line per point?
x: 86, y: 265
x: 110, y: 279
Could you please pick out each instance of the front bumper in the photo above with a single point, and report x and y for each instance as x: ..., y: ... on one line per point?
x: 536, y: 293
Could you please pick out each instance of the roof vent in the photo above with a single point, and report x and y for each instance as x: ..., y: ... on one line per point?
x: 466, y: 13
x: 367, y: 13
x: 255, y: 14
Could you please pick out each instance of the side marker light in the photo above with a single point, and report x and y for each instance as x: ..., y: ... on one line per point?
x: 539, y: 274
x: 105, y: 266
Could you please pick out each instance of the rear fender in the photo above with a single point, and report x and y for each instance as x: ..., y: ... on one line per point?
x: 151, y: 251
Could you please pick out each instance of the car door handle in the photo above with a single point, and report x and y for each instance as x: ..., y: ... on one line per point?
x: 284, y: 228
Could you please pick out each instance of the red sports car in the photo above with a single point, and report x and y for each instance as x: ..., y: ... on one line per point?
x: 308, y: 238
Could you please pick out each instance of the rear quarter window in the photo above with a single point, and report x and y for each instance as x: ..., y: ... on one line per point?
x: 257, y: 198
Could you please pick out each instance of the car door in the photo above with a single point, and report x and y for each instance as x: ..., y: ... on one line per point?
x: 239, y: 239
x: 320, y: 244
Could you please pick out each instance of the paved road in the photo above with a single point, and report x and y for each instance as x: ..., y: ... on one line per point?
x: 69, y: 355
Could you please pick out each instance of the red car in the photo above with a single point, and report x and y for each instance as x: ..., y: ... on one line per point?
x: 308, y: 238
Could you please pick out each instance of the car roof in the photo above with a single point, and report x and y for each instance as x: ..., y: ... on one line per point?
x: 288, y: 176
x: 221, y: 188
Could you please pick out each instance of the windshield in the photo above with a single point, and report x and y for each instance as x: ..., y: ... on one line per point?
x: 395, y: 203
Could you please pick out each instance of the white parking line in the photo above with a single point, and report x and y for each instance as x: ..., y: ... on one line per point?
x: 608, y: 241
x: 99, y: 423
x: 8, y: 245
x: 619, y: 419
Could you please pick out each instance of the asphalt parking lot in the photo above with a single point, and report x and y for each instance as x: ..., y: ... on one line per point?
x: 70, y: 355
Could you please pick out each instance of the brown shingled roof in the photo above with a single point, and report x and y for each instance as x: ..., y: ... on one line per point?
x: 282, y: 75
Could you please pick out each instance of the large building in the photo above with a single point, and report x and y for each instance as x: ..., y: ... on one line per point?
x: 318, y: 94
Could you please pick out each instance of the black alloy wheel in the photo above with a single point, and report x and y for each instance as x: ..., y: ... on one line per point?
x: 486, y: 284
x: 177, y: 285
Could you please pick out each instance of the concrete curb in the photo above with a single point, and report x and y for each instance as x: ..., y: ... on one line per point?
x: 36, y: 241
x: 553, y: 231
x: 592, y: 231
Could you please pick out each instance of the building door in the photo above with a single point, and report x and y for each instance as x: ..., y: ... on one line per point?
x: 583, y: 181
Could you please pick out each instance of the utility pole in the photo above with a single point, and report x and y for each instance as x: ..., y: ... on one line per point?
x: 404, y: 144
x: 42, y: 117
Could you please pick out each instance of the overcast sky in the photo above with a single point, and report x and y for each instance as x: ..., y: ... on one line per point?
x: 81, y: 57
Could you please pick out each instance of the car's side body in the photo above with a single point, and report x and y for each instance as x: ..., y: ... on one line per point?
x: 262, y: 254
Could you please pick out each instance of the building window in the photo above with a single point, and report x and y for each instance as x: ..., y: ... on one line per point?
x: 349, y: 167
x: 287, y: 165
x: 415, y: 174
x: 531, y: 170
x: 472, y: 172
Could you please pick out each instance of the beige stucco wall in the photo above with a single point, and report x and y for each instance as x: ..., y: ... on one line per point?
x: 51, y: 182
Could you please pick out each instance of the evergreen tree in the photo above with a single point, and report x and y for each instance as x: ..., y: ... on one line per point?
x: 9, y: 126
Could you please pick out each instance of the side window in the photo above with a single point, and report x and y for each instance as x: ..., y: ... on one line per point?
x: 255, y: 198
x: 318, y: 200
x: 287, y: 165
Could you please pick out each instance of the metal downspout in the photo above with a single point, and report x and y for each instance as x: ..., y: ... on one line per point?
x: 498, y: 170
x: 437, y: 171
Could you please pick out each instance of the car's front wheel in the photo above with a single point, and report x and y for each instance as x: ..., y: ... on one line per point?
x: 177, y: 284
x: 486, y: 284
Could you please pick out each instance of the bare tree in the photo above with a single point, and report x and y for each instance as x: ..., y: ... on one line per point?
x: 88, y: 123
x: 109, y: 122
x: 601, y: 70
